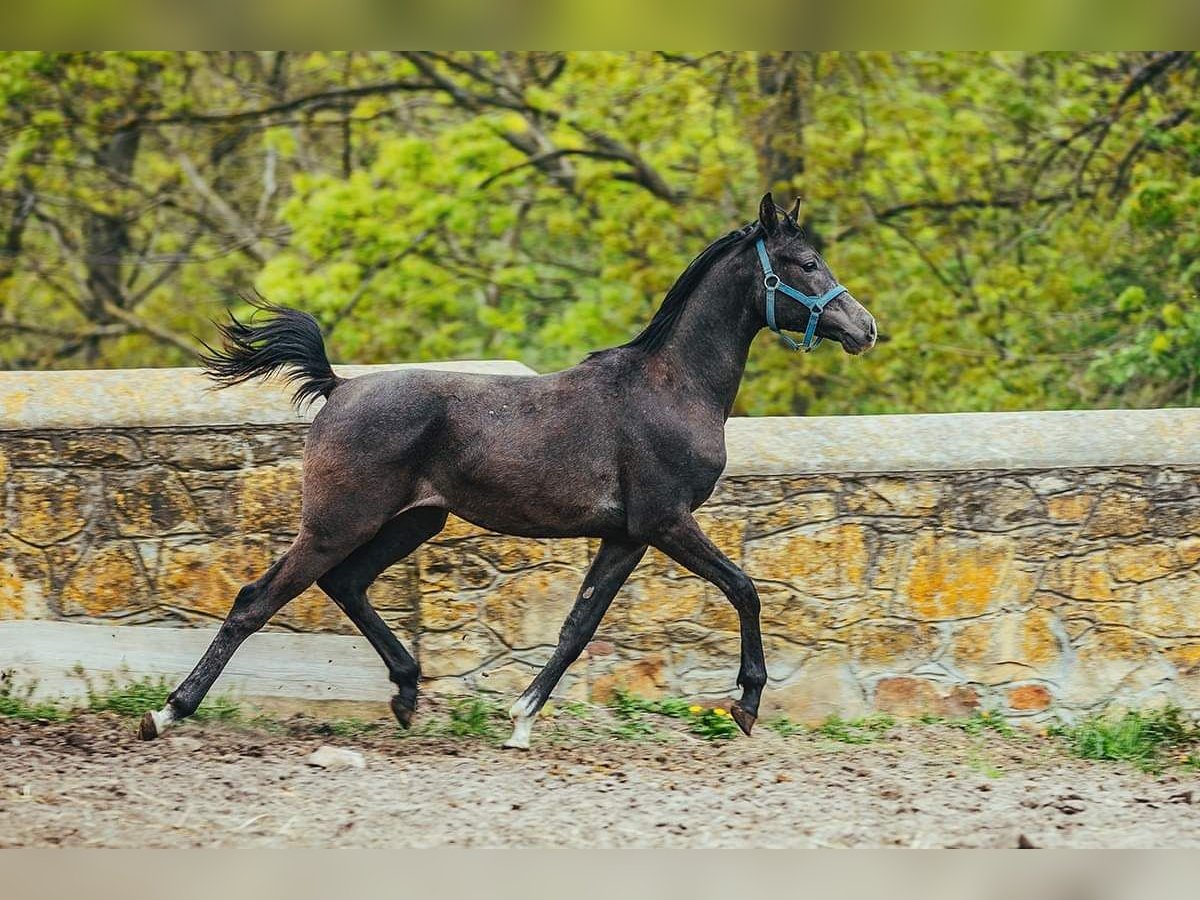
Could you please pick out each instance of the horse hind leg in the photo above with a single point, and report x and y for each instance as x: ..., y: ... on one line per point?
x: 347, y: 583
x: 308, y: 558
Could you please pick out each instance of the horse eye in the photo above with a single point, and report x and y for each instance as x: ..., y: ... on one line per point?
x: 809, y: 266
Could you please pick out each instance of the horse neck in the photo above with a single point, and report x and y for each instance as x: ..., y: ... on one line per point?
x: 705, y: 353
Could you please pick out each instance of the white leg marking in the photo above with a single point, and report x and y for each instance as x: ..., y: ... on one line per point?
x: 522, y: 724
x: 163, y: 719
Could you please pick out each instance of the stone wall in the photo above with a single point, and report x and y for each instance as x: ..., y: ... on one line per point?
x: 981, y: 575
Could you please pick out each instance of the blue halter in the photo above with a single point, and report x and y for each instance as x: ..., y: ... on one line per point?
x: 772, y: 283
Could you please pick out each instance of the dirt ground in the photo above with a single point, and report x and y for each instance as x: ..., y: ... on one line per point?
x: 89, y: 782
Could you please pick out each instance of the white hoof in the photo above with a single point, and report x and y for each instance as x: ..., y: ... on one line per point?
x: 522, y: 726
x: 155, y: 722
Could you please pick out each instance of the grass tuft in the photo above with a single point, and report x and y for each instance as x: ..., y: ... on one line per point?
x: 16, y: 702
x: 133, y: 698
x: 1144, y: 738
x: 473, y: 717
x: 856, y: 731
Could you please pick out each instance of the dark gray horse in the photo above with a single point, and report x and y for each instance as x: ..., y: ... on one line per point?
x: 622, y: 447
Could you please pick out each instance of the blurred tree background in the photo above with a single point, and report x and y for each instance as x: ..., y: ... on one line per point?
x: 1023, y: 225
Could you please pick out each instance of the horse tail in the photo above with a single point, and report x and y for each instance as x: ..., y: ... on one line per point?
x: 289, y: 342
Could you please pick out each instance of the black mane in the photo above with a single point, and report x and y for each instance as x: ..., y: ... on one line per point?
x: 653, y: 335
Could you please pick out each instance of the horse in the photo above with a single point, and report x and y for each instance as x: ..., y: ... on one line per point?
x: 622, y: 447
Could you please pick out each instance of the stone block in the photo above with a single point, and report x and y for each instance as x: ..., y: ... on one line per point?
x: 644, y: 677
x: 1113, y: 663
x: 1081, y: 578
x: 108, y: 582
x: 204, y: 451
x: 99, y: 449
x: 1029, y: 698
x: 527, y: 609
x: 909, y: 697
x: 999, y: 504
x: 269, y: 498
x: 890, y: 496
x: 150, y: 502
x: 794, y: 512
x: 24, y: 581
x: 1009, y: 647
x: 1119, y: 513
x: 951, y: 576
x: 830, y: 562
x: 47, y: 505
x: 823, y: 686
x: 457, y: 653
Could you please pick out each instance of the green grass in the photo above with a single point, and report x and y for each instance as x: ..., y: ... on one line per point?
x: 133, y: 698
x: 712, y: 724
x: 16, y: 702
x: 855, y: 731
x: 1144, y: 738
x: 473, y: 717
x: 977, y: 723
x: 784, y: 726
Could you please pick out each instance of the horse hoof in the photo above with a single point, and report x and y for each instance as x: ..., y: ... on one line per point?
x: 514, y: 744
x: 744, y: 719
x: 404, y: 714
x: 147, y: 728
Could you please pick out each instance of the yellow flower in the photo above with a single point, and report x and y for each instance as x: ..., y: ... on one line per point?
x: 719, y: 712
x: 695, y: 710
x: 985, y: 714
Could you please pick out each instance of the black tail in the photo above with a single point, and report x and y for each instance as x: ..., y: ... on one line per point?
x: 289, y: 342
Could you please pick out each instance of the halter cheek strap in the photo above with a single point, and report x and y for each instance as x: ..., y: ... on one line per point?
x: 815, y: 304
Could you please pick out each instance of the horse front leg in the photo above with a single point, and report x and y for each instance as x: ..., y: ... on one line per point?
x: 612, y: 565
x: 688, y: 545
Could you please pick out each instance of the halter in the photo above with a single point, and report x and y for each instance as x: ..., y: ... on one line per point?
x: 815, y: 304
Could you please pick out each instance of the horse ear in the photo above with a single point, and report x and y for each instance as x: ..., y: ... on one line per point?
x: 794, y: 212
x: 768, y: 215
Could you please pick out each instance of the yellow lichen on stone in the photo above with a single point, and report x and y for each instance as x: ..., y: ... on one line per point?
x: 655, y: 601
x: 1144, y: 562
x: 269, y: 498
x: 150, y: 502
x: 46, y: 508
x: 1081, y: 578
x: 829, y: 562
x: 1070, y: 508
x: 725, y: 530
x: 952, y: 577
x: 24, y: 581
x: 205, y: 577
x: 1009, y: 647
x: 107, y: 581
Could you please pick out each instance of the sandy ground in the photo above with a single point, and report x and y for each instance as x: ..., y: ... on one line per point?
x: 90, y: 783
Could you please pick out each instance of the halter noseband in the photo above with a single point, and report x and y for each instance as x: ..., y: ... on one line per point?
x: 815, y: 304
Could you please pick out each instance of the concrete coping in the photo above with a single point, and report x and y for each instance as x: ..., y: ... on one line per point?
x: 182, y: 397
x: 125, y: 398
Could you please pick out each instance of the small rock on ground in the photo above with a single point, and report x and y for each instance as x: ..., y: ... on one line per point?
x: 334, y: 758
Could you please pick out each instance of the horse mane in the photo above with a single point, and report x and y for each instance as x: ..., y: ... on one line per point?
x: 653, y: 335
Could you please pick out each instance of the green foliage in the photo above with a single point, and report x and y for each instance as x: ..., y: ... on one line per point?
x: 16, y: 702
x: 856, y: 731
x: 136, y: 697
x: 784, y: 727
x: 473, y: 717
x: 1141, y: 737
x: 1021, y: 223
x: 977, y: 723
x: 713, y: 724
